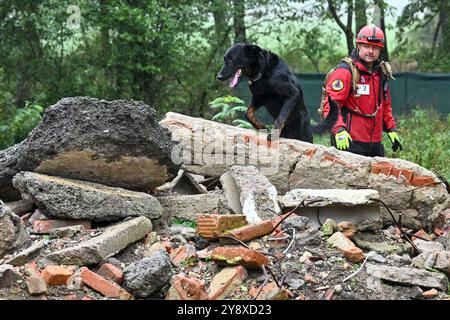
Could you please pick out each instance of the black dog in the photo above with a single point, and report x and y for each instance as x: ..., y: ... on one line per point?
x: 273, y: 85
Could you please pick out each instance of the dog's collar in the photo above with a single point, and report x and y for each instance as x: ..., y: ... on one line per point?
x: 261, y: 70
x: 258, y: 76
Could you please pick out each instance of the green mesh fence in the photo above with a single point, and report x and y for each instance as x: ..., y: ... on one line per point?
x: 407, y: 91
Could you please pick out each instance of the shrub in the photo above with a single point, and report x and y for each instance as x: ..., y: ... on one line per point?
x: 20, y: 125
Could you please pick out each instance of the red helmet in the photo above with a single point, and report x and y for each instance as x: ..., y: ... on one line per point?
x: 371, y: 35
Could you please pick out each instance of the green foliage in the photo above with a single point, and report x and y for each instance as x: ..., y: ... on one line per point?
x: 426, y: 140
x: 20, y: 125
x: 185, y: 223
x: 425, y: 137
x: 229, y: 108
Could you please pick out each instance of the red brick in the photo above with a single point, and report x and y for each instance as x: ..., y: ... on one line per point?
x: 438, y: 231
x: 310, y: 152
x: 226, y: 282
x: 395, y: 172
x: 347, y: 228
x: 239, y: 256
x: 310, y: 279
x: 375, y: 168
x: 213, y: 225
x: 270, y: 292
x: 86, y: 297
x: 56, y: 275
x: 102, y: 285
x: 32, y: 268
x: 386, y: 169
x: 408, y: 174
x: 71, y: 297
x: 186, y: 288
x: 336, y: 160
x: 181, y: 254
x: 421, y: 233
x: 111, y: 272
x: 45, y: 226
x: 419, y: 181
x: 252, y: 231
x: 168, y: 246
x: 354, y: 254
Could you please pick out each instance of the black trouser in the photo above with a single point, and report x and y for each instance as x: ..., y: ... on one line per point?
x: 368, y: 149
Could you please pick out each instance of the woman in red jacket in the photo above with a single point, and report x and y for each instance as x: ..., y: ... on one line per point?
x: 365, y: 110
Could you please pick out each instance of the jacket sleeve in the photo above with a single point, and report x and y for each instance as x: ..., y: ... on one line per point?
x: 388, y: 118
x: 338, y: 87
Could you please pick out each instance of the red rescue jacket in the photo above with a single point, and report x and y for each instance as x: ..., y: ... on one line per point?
x: 339, y: 88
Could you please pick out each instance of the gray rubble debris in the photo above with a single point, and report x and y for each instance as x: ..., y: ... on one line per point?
x: 408, y: 276
x: 75, y: 199
x: 148, y: 275
x: 99, y: 248
x: 116, y: 143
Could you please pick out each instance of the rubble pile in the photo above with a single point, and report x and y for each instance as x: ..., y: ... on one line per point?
x: 94, y: 206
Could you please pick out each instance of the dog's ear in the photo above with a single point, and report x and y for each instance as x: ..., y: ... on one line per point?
x: 252, y: 49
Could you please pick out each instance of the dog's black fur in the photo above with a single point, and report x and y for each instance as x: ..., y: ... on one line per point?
x: 273, y: 85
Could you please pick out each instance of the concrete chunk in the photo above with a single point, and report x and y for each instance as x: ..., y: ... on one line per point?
x: 75, y: 199
x: 257, y: 196
x: 111, y: 241
x: 408, y: 276
x: 189, y: 207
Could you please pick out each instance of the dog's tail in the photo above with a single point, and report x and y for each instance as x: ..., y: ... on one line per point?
x: 327, y: 124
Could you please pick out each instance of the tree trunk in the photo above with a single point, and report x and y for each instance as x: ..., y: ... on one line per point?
x: 445, y: 23
x: 382, y: 5
x: 239, y: 21
x: 347, y: 29
x: 360, y: 14
x: 219, y: 11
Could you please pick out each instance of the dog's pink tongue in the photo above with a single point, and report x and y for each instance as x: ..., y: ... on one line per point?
x: 235, y: 79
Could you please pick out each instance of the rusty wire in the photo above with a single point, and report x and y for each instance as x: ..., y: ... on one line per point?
x: 398, y: 225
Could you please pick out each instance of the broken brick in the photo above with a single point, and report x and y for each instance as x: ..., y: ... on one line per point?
x: 430, y: 293
x: 421, y: 233
x: 226, y: 281
x: 45, y: 226
x: 438, y: 231
x: 422, y: 181
x: 334, y: 160
x: 310, y: 152
x: 252, y: 231
x: 182, y: 253
x: 56, y: 275
x: 239, y: 256
x: 111, y: 272
x: 168, y: 246
x: 102, y: 285
x: 36, y: 285
x: 186, y: 288
x: 354, y: 254
x: 310, y: 279
x: 270, y: 292
x: 213, y: 225
x: 347, y: 228
x: 408, y: 174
